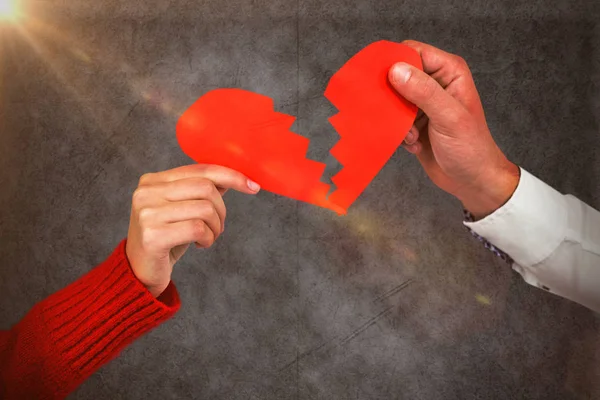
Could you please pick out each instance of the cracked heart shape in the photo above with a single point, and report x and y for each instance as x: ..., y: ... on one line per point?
x: 241, y: 130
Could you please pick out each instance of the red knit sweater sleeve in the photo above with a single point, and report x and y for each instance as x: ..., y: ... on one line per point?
x: 69, y: 335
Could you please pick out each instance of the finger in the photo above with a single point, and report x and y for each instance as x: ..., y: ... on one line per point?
x: 427, y: 94
x: 425, y: 154
x: 185, y: 232
x: 182, y: 211
x: 180, y: 190
x: 412, y: 136
x: 450, y: 71
x: 414, y: 148
x: 224, y: 178
x: 443, y: 66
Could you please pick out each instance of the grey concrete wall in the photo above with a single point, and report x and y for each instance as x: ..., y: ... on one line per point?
x: 294, y: 302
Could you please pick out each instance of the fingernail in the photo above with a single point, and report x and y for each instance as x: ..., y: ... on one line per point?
x: 401, y: 72
x: 410, y: 136
x: 255, y: 187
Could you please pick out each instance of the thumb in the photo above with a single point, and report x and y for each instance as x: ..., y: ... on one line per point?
x: 424, y: 92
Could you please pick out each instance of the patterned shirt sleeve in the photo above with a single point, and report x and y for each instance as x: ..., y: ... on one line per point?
x: 469, y: 218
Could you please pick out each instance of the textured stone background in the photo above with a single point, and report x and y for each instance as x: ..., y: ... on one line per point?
x: 294, y: 302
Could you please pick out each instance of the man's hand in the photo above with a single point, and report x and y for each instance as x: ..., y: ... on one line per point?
x: 450, y: 136
x: 172, y: 209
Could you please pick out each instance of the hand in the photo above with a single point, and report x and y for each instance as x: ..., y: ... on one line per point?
x: 172, y: 209
x: 450, y: 135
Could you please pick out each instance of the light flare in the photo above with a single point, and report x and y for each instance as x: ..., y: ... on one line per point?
x: 10, y: 10
x: 483, y: 299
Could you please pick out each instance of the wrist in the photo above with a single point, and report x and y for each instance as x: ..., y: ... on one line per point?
x: 493, y: 191
x: 135, y: 263
x: 156, y: 291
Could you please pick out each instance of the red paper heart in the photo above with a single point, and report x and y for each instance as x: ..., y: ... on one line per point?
x: 240, y: 130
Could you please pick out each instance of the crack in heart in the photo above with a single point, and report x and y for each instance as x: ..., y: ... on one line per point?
x: 322, y: 141
x: 241, y: 130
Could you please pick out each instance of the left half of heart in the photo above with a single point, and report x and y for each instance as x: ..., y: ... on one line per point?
x: 241, y: 130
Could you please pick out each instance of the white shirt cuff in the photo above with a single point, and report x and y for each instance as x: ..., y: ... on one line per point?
x: 530, y: 226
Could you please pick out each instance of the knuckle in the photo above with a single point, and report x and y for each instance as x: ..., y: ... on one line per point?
x: 145, y: 179
x: 208, y: 169
x: 460, y: 60
x: 201, y: 167
x: 208, y: 241
x: 146, y: 214
x: 410, y: 42
x: 150, y: 238
x: 199, y: 229
x: 206, y: 187
x: 138, y: 196
x: 461, y: 65
x: 206, y: 208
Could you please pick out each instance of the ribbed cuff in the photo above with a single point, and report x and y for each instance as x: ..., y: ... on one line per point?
x: 93, y: 319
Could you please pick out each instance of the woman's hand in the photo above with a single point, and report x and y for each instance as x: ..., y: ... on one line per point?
x: 172, y: 209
